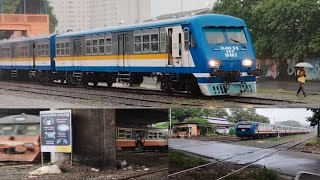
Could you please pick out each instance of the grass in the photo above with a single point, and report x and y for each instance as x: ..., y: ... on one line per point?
x: 311, y: 142
x: 184, y: 160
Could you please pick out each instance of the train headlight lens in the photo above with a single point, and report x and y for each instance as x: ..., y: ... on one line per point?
x: 247, y: 62
x: 214, y: 63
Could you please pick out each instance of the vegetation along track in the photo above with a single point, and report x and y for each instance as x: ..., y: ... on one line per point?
x: 84, y: 94
x: 280, y: 147
x: 127, y: 92
x: 142, y: 175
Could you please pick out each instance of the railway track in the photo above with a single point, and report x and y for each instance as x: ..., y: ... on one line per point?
x: 279, y: 147
x: 142, y: 102
x: 120, y: 99
x: 144, y: 175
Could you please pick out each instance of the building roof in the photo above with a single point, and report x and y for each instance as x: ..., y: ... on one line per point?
x: 222, y: 121
x: 181, y: 14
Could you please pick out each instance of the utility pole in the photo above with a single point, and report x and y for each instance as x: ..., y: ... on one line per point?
x: 170, y: 123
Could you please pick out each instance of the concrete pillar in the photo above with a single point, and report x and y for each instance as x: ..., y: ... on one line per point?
x: 94, y: 137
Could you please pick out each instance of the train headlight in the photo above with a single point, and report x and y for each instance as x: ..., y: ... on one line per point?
x: 247, y: 62
x: 214, y: 63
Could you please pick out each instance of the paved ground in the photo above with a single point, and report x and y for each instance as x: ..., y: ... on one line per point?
x: 288, y: 163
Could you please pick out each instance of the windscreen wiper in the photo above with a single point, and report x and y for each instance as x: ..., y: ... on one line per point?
x: 236, y: 41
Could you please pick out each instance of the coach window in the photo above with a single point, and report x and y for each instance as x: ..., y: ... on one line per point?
x: 88, y: 45
x: 150, y: 135
x: 67, y: 45
x: 124, y: 134
x: 155, y: 40
x: 137, y: 41
x: 146, y: 41
x: 63, y: 52
x: 163, y: 40
x: 58, y: 49
x: 47, y: 49
x: 108, y: 43
x: 95, y: 45
x: 101, y: 44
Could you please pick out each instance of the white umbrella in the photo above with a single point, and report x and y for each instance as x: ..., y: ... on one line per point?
x: 304, y: 64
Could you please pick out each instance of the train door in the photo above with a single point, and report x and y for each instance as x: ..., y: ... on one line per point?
x: 13, y: 56
x: 76, y: 52
x: 123, y: 51
x: 33, y: 53
x: 170, y: 58
x: 177, y: 46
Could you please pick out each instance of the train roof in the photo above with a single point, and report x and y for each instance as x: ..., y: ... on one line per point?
x: 23, y: 39
x: 218, y: 19
x: 20, y: 119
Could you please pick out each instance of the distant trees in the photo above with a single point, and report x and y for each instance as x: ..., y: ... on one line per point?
x: 286, y: 29
x: 290, y: 123
x: 315, y: 121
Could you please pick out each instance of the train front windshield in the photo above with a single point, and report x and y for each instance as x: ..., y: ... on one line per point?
x: 218, y: 36
x: 19, y: 130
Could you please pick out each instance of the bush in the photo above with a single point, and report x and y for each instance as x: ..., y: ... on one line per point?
x: 267, y: 174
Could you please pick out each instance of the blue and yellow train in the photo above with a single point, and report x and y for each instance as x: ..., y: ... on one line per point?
x: 206, y: 54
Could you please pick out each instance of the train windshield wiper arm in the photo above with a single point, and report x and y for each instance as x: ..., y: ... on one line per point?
x: 236, y: 41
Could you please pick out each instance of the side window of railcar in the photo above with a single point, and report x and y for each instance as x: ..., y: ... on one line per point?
x: 67, y: 46
x: 146, y: 40
x: 154, y: 40
x: 62, y: 49
x: 101, y: 44
x: 88, y: 45
x: 95, y: 45
x: 124, y: 134
x: 108, y: 43
x: 163, y: 40
x: 58, y: 49
x: 137, y: 41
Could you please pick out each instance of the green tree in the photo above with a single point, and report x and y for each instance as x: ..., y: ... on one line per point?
x: 184, y: 113
x: 280, y: 29
x: 238, y: 115
x: 315, y: 121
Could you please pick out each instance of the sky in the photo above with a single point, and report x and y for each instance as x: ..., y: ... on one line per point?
x: 160, y: 7
x: 284, y: 114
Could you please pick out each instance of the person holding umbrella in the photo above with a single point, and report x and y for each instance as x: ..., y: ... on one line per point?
x: 301, y: 76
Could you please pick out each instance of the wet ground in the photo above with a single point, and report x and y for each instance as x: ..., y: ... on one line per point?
x: 285, y: 162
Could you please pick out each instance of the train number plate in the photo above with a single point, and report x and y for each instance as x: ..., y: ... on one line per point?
x: 243, y: 130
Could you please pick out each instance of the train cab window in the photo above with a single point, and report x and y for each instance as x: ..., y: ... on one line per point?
x: 28, y: 130
x: 163, y: 40
x: 154, y: 40
x: 186, y: 37
x: 192, y: 41
x: 236, y: 36
x: 137, y: 41
x: 6, y: 130
x: 101, y: 44
x: 95, y: 45
x: 146, y: 41
x: 88, y: 45
x: 214, y: 35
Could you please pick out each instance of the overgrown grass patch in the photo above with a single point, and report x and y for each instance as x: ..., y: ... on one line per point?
x: 311, y: 142
x: 184, y: 160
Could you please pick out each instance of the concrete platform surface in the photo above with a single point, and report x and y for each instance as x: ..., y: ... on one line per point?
x: 285, y: 162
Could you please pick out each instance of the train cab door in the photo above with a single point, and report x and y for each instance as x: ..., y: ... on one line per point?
x: 76, y: 52
x: 175, y: 46
x: 123, y: 51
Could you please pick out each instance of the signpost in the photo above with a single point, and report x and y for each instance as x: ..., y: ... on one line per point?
x: 56, y: 132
